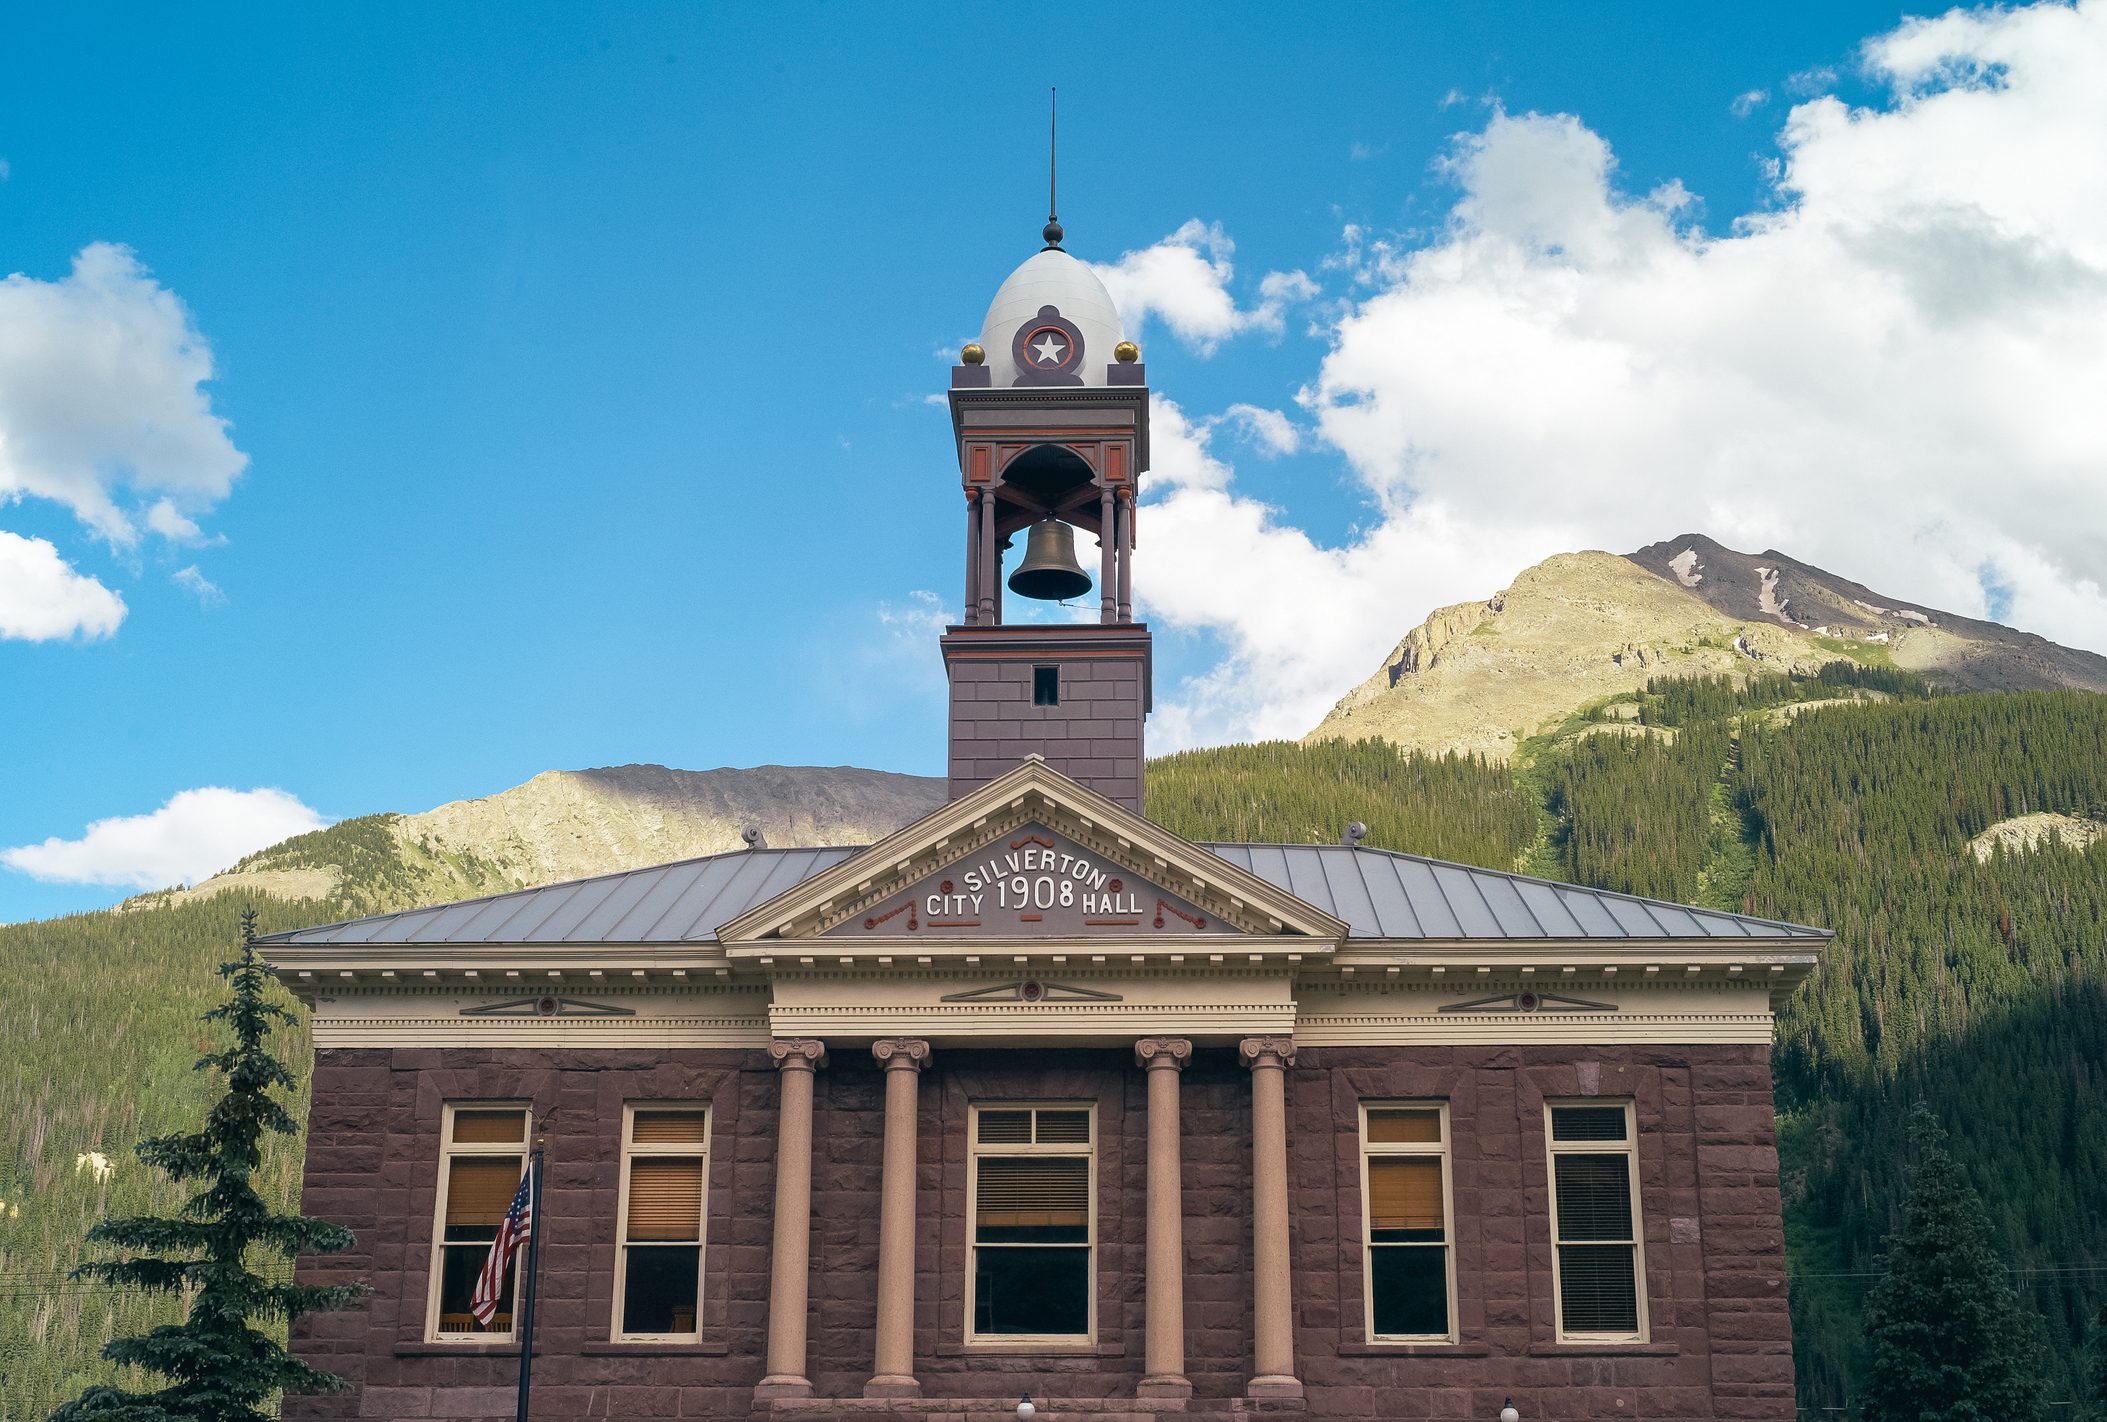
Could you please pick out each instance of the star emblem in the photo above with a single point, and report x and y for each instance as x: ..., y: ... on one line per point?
x: 1049, y: 350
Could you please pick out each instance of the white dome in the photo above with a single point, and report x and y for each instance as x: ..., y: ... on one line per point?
x: 1052, y: 278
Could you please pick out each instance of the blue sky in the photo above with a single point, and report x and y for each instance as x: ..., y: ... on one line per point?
x: 576, y: 358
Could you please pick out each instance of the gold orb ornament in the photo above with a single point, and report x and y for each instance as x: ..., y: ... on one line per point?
x: 972, y: 354
x: 1126, y: 353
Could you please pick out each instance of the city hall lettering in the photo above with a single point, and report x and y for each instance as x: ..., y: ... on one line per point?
x: 1037, y: 1096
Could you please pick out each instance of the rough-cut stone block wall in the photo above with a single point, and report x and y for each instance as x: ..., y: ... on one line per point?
x: 373, y: 1164
x: 1094, y: 736
x: 1719, y: 1345
x: 1720, y: 1341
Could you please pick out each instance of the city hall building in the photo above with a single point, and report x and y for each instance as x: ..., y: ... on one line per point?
x: 1037, y: 1098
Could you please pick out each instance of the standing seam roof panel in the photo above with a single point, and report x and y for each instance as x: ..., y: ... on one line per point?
x: 1349, y: 892
x: 1633, y: 918
x: 1595, y: 921
x: 1465, y: 900
x: 1429, y: 904
x: 576, y: 907
x: 1549, y: 910
x: 1507, y: 905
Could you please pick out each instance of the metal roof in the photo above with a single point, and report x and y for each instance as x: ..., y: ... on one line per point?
x: 1379, y: 893
x: 682, y: 902
x: 1382, y: 894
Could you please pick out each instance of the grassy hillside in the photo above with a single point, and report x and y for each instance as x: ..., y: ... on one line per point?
x: 1849, y: 799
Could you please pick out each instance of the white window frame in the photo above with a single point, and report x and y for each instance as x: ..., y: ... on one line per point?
x: 449, y: 1149
x: 1629, y: 1148
x: 1371, y: 1150
x: 656, y: 1151
x: 1052, y: 1342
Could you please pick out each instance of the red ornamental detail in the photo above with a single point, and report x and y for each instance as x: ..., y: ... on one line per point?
x: 944, y: 888
x: 1032, y: 839
x: 906, y: 908
x: 1117, y: 887
x: 1162, y: 908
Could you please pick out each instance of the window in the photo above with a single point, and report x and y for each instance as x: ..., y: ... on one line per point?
x: 1046, y: 686
x: 658, y: 1268
x: 1405, y: 1196
x: 483, y: 1156
x: 1596, y: 1263
x: 1031, y: 1189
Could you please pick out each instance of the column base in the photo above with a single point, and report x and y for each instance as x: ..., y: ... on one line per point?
x: 897, y: 1385
x: 781, y: 1385
x: 1273, y: 1385
x: 1164, y: 1386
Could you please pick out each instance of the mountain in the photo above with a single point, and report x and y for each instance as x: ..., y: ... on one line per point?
x: 1949, y: 649
x: 1579, y: 629
x: 570, y: 824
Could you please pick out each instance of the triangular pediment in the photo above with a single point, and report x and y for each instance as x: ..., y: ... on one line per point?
x: 1032, y: 855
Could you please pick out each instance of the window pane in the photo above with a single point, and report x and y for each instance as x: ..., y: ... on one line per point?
x: 1394, y: 1127
x: 658, y: 1290
x: 1033, y: 1291
x: 490, y: 1127
x: 1064, y: 1128
x: 1039, y: 1199
x: 665, y: 1199
x: 1594, y: 1197
x: 459, y: 1266
x: 1404, y: 1200
x: 1410, y: 1290
x: 1587, y: 1123
x: 1005, y: 1127
x: 479, y: 1189
x: 1597, y: 1288
x: 670, y: 1128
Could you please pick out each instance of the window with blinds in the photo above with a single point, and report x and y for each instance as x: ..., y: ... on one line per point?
x: 483, y: 1154
x: 1408, y: 1261
x: 658, y: 1265
x: 1595, y: 1222
x: 1033, y: 1223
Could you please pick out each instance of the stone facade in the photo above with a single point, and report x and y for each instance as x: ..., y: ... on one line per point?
x: 1719, y: 1344
x: 1094, y: 736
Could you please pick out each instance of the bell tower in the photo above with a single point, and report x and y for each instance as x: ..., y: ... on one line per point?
x: 1051, y: 413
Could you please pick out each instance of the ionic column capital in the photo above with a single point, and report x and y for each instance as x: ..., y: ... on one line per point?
x: 1163, y: 1053
x: 1256, y: 1052
x: 797, y: 1053
x: 901, y: 1053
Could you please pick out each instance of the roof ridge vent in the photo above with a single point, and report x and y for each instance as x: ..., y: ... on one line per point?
x: 1355, y: 833
x: 753, y: 836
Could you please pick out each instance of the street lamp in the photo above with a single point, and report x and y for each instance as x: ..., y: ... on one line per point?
x: 1025, y: 1410
x: 1507, y: 1412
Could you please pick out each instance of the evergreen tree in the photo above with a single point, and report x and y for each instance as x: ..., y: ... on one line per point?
x: 219, y: 1367
x: 1947, y: 1338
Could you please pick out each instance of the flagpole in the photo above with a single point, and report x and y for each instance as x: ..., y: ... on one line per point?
x: 527, y: 1279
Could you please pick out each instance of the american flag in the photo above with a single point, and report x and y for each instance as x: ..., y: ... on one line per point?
x: 517, y: 1228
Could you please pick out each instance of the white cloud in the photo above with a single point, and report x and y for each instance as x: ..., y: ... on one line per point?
x: 101, y: 399
x: 1269, y: 430
x: 43, y: 598
x: 1184, y: 281
x: 207, y: 592
x: 1747, y: 103
x: 196, y: 834
x: 1890, y: 368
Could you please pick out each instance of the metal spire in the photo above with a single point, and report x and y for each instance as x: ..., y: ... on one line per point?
x: 1053, y: 207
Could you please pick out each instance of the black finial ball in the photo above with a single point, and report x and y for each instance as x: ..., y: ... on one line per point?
x: 1053, y: 233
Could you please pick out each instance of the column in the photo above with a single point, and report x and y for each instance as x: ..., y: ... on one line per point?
x: 1272, y: 1302
x: 790, y: 1263
x: 990, y: 559
x: 1108, y: 556
x: 1163, y: 1373
x: 971, y: 612
x: 1126, y: 553
x: 893, y: 1374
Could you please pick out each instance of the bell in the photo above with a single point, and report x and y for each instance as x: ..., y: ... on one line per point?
x: 1049, y: 571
